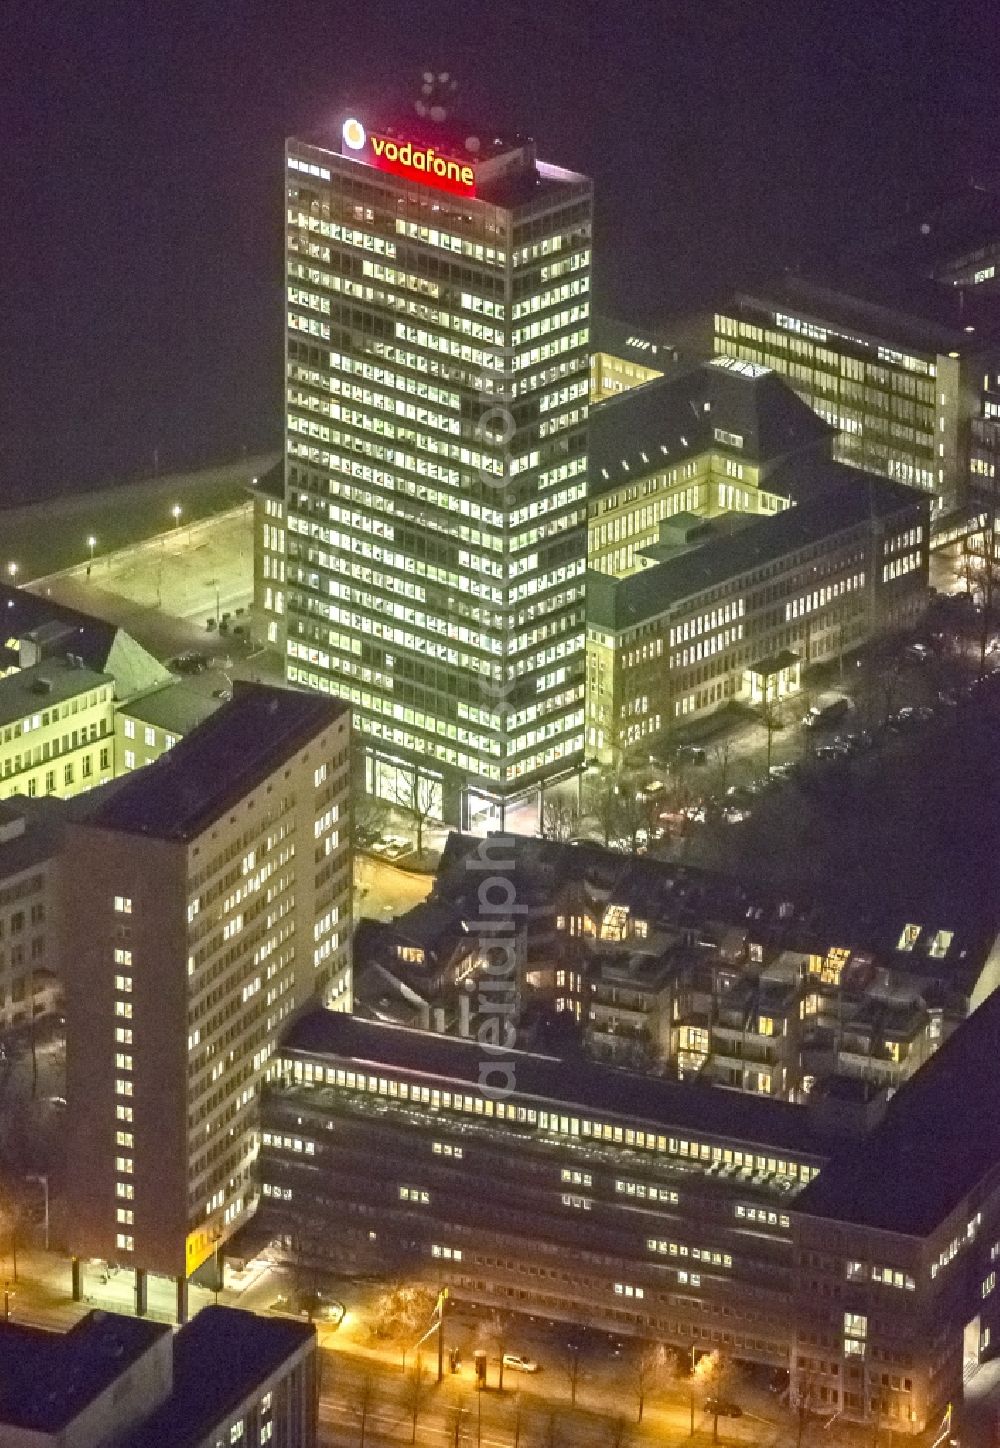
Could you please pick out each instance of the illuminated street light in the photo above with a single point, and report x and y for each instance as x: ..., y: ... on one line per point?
x: 91, y: 544
x: 12, y: 570
x: 176, y: 511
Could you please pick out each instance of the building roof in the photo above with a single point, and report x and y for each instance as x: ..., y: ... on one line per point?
x: 223, y: 1356
x: 943, y: 950
x: 178, y: 708
x: 48, y: 1378
x: 643, y: 345
x: 883, y: 304
x: 57, y: 631
x: 675, y: 418
x: 53, y: 681
x: 31, y: 830
x: 844, y: 498
x: 218, y: 762
x: 938, y: 1138
x: 574, y: 1083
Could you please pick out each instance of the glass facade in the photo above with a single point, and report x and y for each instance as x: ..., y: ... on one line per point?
x: 436, y: 446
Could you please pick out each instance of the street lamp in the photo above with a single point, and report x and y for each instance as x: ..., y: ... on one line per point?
x: 12, y: 570
x: 176, y: 512
x: 91, y: 544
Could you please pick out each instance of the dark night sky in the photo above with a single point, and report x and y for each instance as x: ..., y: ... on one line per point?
x: 140, y: 179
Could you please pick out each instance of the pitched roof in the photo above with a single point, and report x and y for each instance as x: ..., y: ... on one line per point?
x: 674, y: 418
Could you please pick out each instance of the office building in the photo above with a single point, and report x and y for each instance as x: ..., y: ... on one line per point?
x: 208, y: 898
x: 437, y: 383
x: 269, y: 551
x: 891, y: 360
x: 229, y: 1377
x: 718, y: 439
x: 623, y: 356
x: 719, y: 617
x: 849, y: 1242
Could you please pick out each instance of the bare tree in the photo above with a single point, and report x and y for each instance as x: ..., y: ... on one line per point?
x: 601, y: 803
x: 981, y: 571
x: 363, y: 1404
x: 418, y: 798
x: 560, y: 820
x: 551, y: 1437
x: 414, y: 1391
x: 648, y: 1368
x: 619, y: 1434
x: 720, y: 760
x: 572, y: 1365
x: 498, y: 1329
x: 369, y: 814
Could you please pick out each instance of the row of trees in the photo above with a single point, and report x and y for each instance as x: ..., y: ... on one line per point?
x: 651, y: 1369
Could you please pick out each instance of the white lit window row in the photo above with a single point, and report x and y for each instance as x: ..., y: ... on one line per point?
x: 626, y: 1289
x: 539, y: 301
x: 445, y: 1148
x: 897, y: 567
x: 645, y: 1192
x: 820, y: 597
x: 762, y: 1215
x: 449, y: 1254
x: 283, y: 1194
x: 554, y: 1123
x: 416, y: 1195
x: 347, y: 235
x: 708, y: 1255
x: 289, y: 1143
x: 581, y: 1204
x: 448, y: 241
x: 294, y: 164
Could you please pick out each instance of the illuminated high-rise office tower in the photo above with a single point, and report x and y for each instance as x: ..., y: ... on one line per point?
x: 438, y: 310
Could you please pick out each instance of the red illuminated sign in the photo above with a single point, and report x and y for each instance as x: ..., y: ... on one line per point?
x: 410, y: 159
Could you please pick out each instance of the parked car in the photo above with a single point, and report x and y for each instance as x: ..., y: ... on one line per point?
x: 519, y: 1364
x: 825, y: 712
x: 723, y: 1408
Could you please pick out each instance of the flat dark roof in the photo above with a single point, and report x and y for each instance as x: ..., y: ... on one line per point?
x: 844, y: 498
x: 574, y: 1084
x: 939, y: 1137
x: 221, y: 1357
x: 48, y: 1378
x: 213, y: 766
x: 889, y: 305
x: 63, y: 630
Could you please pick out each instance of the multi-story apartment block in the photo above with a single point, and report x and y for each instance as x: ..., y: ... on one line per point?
x: 855, y: 1246
x: 269, y: 552
x: 623, y: 357
x: 437, y: 385
x: 893, y: 367
x: 111, y: 1381
x: 208, y: 897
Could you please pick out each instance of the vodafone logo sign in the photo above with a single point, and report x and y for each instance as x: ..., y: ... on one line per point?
x: 354, y: 135
x: 411, y: 159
